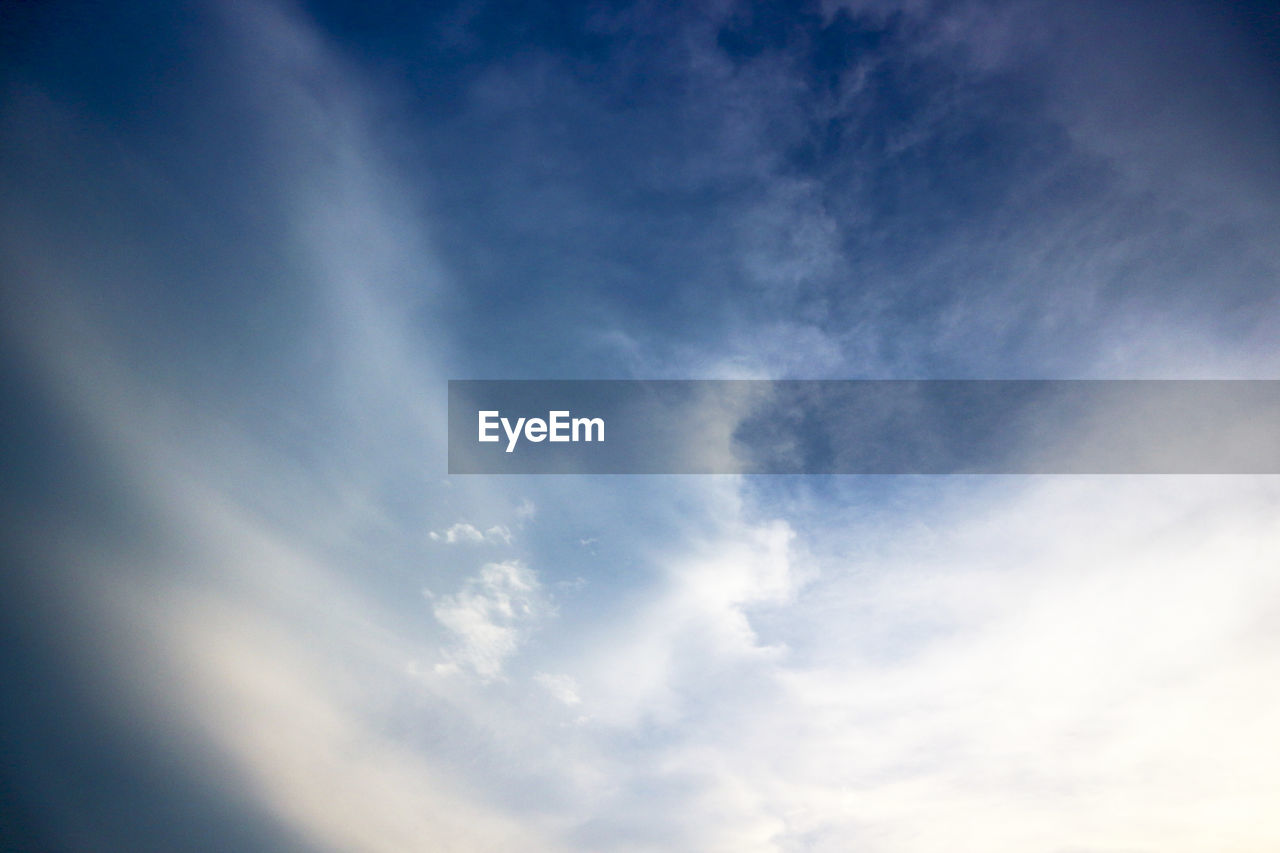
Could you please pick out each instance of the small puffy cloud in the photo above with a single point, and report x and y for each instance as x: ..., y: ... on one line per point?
x: 490, y: 617
x: 460, y: 532
x: 464, y: 533
x: 498, y: 533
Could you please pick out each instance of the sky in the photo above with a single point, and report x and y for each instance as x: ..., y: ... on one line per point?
x: 245, y: 244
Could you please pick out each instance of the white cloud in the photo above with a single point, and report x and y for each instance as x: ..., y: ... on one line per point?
x: 498, y: 533
x: 460, y: 532
x: 1080, y: 664
x: 490, y: 616
x: 562, y: 687
x: 466, y: 533
x: 697, y: 617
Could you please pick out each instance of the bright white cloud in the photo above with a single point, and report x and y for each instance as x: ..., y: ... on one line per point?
x: 490, y: 616
x: 1077, y: 666
x: 466, y: 533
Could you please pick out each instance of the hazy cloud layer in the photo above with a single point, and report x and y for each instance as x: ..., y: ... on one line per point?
x: 243, y: 245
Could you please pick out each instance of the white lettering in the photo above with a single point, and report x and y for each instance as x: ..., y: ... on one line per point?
x: 587, y: 424
x: 558, y: 426
x: 486, y: 424
x: 513, y: 435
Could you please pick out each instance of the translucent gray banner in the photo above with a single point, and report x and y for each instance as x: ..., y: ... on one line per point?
x: 864, y: 427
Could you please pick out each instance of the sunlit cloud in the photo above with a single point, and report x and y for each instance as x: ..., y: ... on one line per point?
x: 490, y: 616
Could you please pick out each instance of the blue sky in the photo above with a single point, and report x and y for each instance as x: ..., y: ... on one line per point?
x: 243, y: 245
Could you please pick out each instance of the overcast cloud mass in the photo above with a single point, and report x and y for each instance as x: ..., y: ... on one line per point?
x: 244, y: 244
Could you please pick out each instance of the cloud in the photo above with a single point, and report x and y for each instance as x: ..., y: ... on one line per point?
x: 490, y: 617
x: 247, y: 356
x: 498, y: 533
x: 1066, y: 663
x: 562, y: 687
x: 343, y: 783
x: 462, y: 532
x: 696, y: 617
x: 526, y: 510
